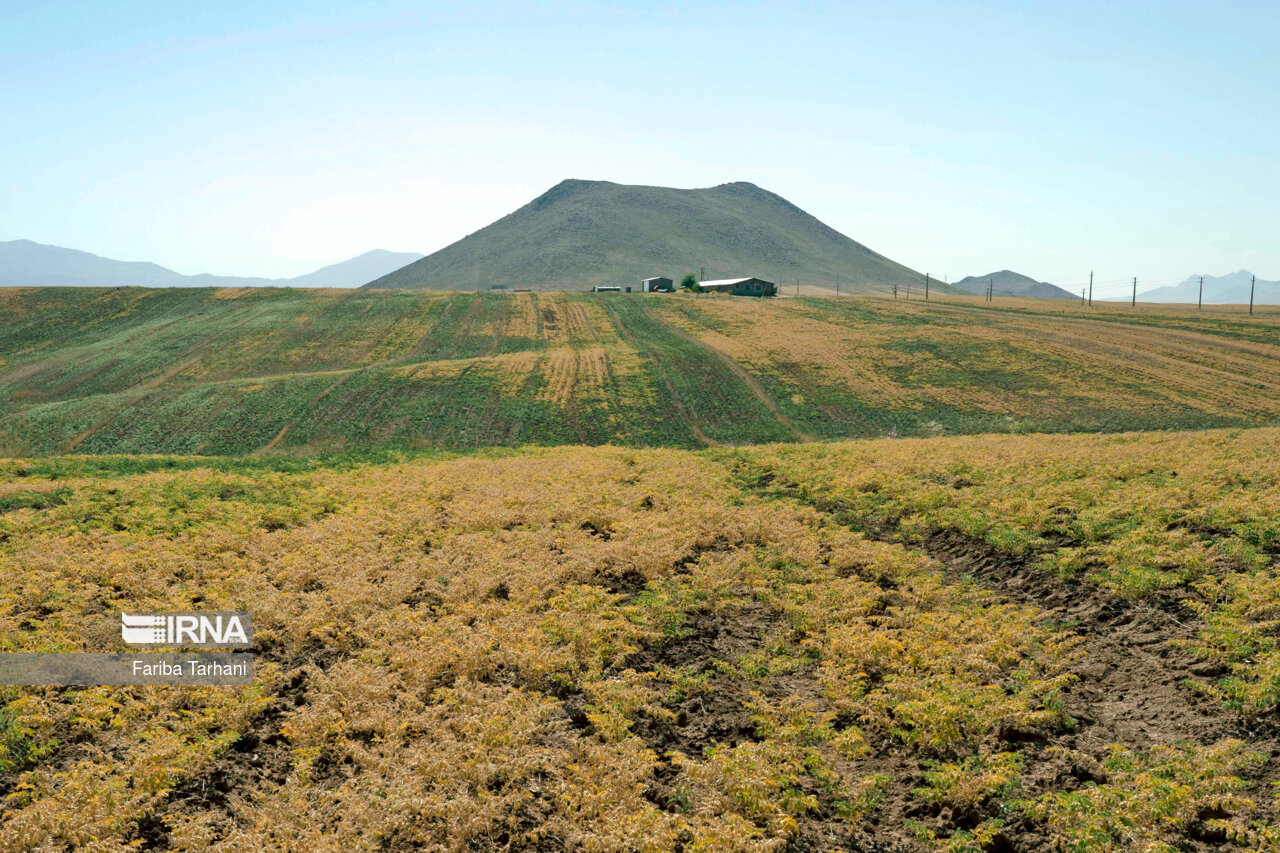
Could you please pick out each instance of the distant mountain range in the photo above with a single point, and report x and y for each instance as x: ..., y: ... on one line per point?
x: 24, y: 263
x: 1010, y: 283
x: 1232, y: 288
x: 583, y: 233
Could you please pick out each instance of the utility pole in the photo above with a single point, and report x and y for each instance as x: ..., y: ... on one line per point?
x: 926, y: 287
x: 1251, y: 286
x: 702, y: 274
x: 1082, y: 297
x: 895, y: 290
x: 797, y: 287
x: 1091, y: 287
x: 837, y: 287
x: 991, y: 289
x: 1134, y: 303
x: 1200, y: 301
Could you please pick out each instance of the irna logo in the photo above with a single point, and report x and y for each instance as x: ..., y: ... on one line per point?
x: 191, y: 630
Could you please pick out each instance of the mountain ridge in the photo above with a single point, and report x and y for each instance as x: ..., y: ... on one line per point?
x: 1010, y: 283
x: 1232, y: 288
x: 26, y: 263
x: 581, y: 233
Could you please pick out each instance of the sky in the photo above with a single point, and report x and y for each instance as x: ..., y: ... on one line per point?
x: 270, y: 139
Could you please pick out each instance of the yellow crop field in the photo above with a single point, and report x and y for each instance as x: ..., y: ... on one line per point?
x: 975, y: 643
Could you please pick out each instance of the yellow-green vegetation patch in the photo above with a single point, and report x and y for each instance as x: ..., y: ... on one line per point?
x: 617, y: 649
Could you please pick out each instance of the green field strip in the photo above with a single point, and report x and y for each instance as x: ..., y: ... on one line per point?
x: 715, y: 398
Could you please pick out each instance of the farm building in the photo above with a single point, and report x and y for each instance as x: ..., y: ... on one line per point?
x: 607, y: 288
x: 657, y: 284
x: 741, y: 286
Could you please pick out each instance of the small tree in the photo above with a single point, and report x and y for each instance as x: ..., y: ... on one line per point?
x: 690, y: 283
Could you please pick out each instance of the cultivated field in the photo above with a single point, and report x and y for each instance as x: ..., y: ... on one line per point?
x: 975, y: 643
x: 269, y: 371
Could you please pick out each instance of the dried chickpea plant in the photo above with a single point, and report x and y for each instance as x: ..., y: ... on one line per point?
x: 828, y: 646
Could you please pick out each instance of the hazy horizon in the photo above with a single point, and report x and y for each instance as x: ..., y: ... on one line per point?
x: 955, y: 140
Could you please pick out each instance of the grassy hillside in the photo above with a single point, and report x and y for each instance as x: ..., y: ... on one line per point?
x: 583, y: 233
x: 275, y: 371
x: 980, y: 643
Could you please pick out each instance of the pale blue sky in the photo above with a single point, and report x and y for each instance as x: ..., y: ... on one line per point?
x: 958, y: 138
